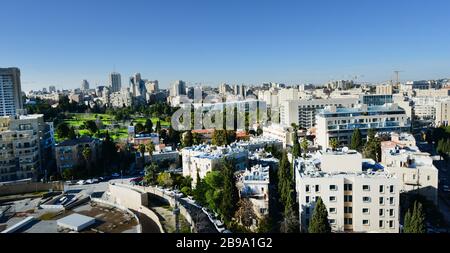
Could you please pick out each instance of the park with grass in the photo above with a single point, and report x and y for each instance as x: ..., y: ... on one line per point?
x: 117, y: 129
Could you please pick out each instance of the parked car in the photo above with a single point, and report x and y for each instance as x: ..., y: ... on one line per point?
x: 81, y: 182
x: 115, y: 175
x: 89, y: 181
x: 95, y: 180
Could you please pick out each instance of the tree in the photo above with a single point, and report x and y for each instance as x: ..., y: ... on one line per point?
x: 142, y: 149
x: 285, y: 181
x: 158, y: 127
x: 296, y: 149
x: 372, y: 149
x: 165, y: 180
x: 356, y: 141
x: 139, y: 128
x: 415, y: 221
x: 319, y: 221
x: 91, y: 126
x: 304, y: 144
x: 245, y: 214
x: 72, y: 135
x: 290, y: 223
x: 87, y: 154
x: 265, y: 225
x: 150, y: 148
x: 148, y: 126
x: 188, y: 139
x: 334, y: 143
x: 151, y: 174
x: 230, y: 192
x: 219, y: 138
x: 199, y: 192
x: 63, y: 130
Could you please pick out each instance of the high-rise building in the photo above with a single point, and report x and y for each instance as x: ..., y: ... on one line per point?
x: 10, y: 91
x: 115, y: 81
x: 52, y: 89
x: 26, y: 144
x: 152, y: 86
x: 178, y: 88
x: 84, y: 85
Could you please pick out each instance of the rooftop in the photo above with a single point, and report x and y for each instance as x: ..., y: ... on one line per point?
x: 81, y: 140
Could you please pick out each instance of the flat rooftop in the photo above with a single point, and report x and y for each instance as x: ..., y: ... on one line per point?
x: 76, y: 222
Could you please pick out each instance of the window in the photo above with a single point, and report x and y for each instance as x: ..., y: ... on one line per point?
x: 307, y: 210
x: 391, y: 201
x: 317, y: 188
x: 381, y: 212
x: 348, y: 198
x: 348, y: 187
x: 381, y: 201
x: 391, y: 224
x: 365, y: 222
x: 307, y: 188
x: 391, y: 212
x: 366, y: 188
x: 381, y: 224
x: 332, y: 221
x: 332, y: 199
x: 348, y: 221
x: 428, y: 178
x: 391, y: 189
x: 381, y: 189
x: 333, y: 187
x: 365, y: 210
x: 366, y: 199
x: 332, y: 210
x: 307, y: 199
x: 348, y: 209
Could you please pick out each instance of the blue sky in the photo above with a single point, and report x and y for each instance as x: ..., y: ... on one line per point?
x: 236, y: 41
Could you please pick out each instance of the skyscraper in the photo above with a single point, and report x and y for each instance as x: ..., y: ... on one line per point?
x: 10, y: 91
x: 85, y: 85
x: 178, y: 88
x: 115, y: 81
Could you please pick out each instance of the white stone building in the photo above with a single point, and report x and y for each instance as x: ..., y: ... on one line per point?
x: 357, y: 198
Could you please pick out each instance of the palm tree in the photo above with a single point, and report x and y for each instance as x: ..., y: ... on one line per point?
x: 87, y: 153
x: 334, y: 144
x: 305, y: 146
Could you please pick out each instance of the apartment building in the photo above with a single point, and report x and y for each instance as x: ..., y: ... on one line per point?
x: 303, y: 112
x: 339, y: 123
x: 442, y: 113
x: 69, y: 154
x: 403, y: 159
x: 26, y: 145
x: 359, y: 196
x: 253, y: 184
x: 202, y: 159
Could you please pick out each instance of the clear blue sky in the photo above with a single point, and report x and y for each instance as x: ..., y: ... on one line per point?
x: 60, y: 43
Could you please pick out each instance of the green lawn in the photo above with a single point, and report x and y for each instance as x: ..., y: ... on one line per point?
x: 154, y: 121
x: 77, y: 120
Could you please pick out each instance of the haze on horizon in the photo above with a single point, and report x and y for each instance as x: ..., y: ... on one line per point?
x: 63, y: 42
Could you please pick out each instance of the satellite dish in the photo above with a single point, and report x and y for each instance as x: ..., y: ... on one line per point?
x: 345, y: 149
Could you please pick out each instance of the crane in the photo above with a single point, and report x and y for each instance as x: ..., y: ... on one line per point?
x: 397, y: 78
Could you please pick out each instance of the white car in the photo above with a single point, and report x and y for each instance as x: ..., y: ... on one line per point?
x: 89, y: 181
x: 81, y: 182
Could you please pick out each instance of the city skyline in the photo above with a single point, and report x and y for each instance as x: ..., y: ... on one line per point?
x: 234, y: 42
